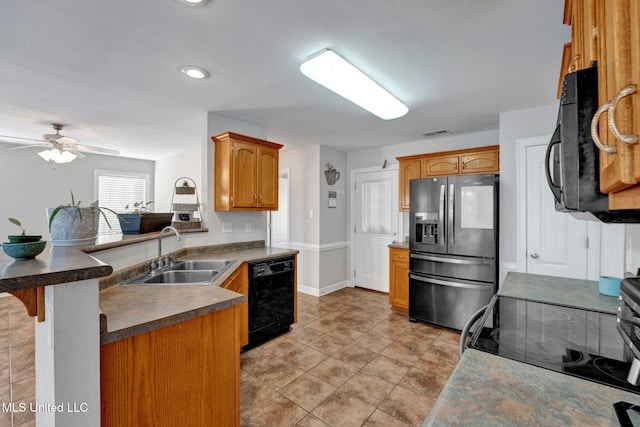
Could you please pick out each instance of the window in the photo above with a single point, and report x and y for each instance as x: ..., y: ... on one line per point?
x: 116, y: 190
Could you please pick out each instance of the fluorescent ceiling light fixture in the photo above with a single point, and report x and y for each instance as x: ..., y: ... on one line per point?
x: 194, y: 2
x: 194, y: 72
x: 55, y: 155
x: 335, y: 73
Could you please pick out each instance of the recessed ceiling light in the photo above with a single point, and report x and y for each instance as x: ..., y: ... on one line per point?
x: 194, y: 2
x: 195, y: 72
x: 335, y: 73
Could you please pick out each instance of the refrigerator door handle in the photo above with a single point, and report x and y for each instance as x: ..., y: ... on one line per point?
x: 450, y: 260
x: 449, y: 283
x: 451, y: 225
x: 441, y: 231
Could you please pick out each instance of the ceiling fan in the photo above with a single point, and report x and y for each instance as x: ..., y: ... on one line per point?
x: 62, y: 149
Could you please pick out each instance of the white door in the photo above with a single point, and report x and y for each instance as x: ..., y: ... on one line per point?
x: 376, y: 224
x: 279, y: 220
x: 556, y: 242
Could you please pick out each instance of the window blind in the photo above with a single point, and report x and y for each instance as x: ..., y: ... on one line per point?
x: 115, y: 191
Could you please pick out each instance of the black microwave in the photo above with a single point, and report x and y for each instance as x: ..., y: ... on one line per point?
x: 572, y: 158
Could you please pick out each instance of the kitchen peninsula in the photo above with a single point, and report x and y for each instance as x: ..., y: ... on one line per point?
x: 121, y: 321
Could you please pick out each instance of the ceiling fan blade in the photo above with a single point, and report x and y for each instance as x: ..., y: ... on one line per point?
x: 98, y: 150
x: 18, y: 147
x: 60, y: 139
x: 21, y: 138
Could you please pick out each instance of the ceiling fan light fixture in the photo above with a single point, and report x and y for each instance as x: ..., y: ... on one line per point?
x: 55, y: 155
x: 194, y: 72
x: 336, y: 74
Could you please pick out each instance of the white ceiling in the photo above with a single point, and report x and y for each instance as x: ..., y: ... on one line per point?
x: 110, y: 70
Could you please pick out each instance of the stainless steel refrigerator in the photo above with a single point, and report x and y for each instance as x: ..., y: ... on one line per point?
x: 453, y: 242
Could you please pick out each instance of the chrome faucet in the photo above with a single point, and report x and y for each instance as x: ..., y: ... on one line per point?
x: 159, y: 264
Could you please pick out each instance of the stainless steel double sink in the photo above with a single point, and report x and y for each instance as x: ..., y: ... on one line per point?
x: 195, y: 272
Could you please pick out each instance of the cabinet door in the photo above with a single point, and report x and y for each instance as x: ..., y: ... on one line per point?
x: 267, y: 178
x: 399, y: 279
x: 239, y: 282
x: 409, y: 169
x: 616, y: 169
x: 441, y: 166
x: 620, y: 172
x: 245, y: 160
x: 480, y: 162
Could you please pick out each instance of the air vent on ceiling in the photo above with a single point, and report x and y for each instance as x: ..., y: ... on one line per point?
x: 437, y: 132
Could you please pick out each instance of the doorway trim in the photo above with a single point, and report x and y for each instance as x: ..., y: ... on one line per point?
x: 593, y: 228
x: 352, y: 214
x: 288, y: 213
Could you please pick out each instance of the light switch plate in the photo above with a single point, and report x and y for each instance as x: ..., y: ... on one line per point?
x: 227, y: 227
x: 247, y: 227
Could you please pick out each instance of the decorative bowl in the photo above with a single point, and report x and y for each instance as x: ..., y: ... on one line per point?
x: 22, y: 251
x: 23, y: 239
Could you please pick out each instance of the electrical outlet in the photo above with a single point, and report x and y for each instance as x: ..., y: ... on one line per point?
x: 227, y: 227
x: 247, y: 227
x: 310, y: 213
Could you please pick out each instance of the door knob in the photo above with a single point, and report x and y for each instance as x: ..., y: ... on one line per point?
x: 535, y: 255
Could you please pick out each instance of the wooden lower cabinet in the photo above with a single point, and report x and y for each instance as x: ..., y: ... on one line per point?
x: 239, y: 282
x: 399, y: 279
x: 187, y: 374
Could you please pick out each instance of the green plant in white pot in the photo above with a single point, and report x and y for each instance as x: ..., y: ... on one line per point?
x: 72, y: 225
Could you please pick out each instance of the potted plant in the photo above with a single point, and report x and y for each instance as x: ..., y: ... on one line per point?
x: 185, y: 188
x: 72, y: 225
x: 24, y: 237
x: 141, y: 220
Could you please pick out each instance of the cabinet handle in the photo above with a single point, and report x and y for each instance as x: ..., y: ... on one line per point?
x: 607, y: 149
x: 572, y: 64
x: 260, y: 198
x: 255, y: 198
x: 625, y: 139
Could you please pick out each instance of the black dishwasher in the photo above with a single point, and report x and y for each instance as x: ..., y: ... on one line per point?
x: 271, y: 298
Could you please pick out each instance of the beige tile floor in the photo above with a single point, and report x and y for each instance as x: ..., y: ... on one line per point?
x: 17, y: 362
x: 349, y: 361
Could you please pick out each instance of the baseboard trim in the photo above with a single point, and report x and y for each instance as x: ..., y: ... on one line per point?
x: 325, y: 290
x: 312, y: 247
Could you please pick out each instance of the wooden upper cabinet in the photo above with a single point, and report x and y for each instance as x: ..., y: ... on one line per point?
x: 267, y: 171
x: 246, y: 173
x: 581, y: 52
x: 618, y: 55
x: 485, y: 162
x: 471, y: 161
x: 409, y: 169
x: 439, y: 166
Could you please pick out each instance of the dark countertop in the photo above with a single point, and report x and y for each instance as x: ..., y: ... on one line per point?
x: 53, y: 266
x: 558, y: 290
x: 128, y: 310
x: 487, y: 390
x: 400, y: 245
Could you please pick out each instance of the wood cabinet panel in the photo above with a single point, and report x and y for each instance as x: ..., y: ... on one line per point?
x: 399, y: 279
x: 186, y: 374
x: 268, y: 178
x: 618, y: 68
x: 239, y: 282
x: 440, y: 166
x: 408, y: 170
x: 246, y: 173
x: 480, y: 162
x: 245, y: 167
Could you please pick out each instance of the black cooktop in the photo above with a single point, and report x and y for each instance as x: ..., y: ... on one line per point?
x: 570, y: 340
